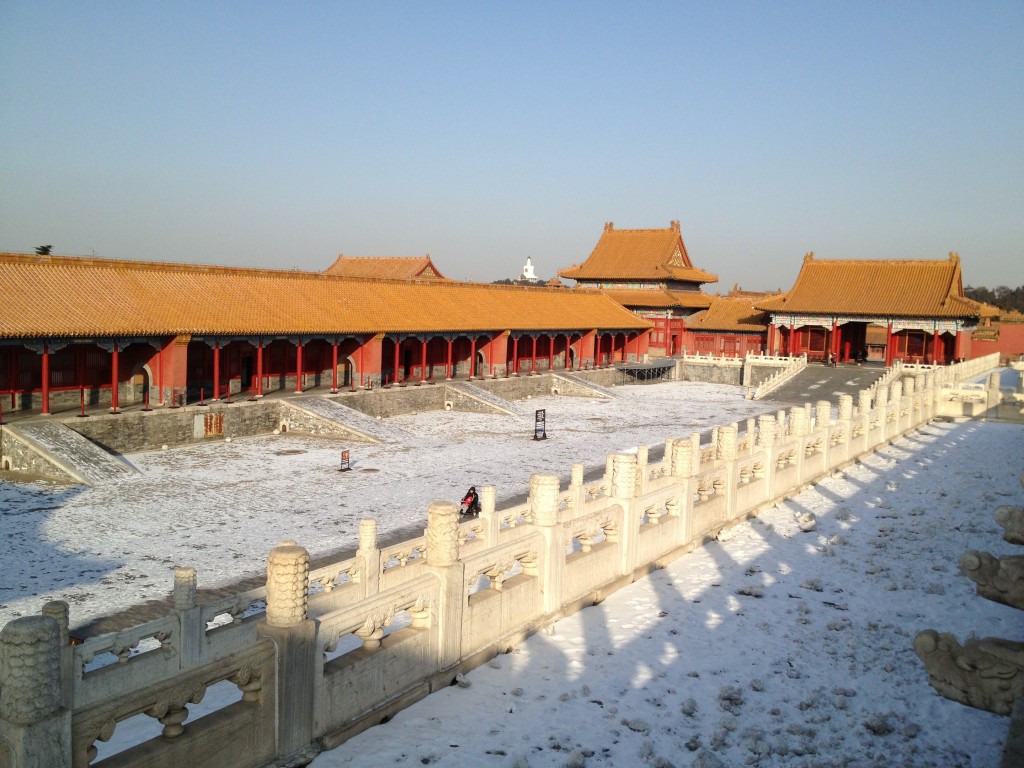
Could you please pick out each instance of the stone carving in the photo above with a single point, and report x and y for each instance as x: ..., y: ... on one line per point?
x: 185, y: 583
x: 986, y: 673
x: 93, y: 730
x: 997, y: 579
x: 249, y: 680
x: 1012, y: 521
x: 728, y: 437
x: 442, y: 533
x: 29, y: 658
x: 681, y: 458
x: 544, y: 489
x: 766, y: 429
x: 372, y: 631
x: 287, y: 584
x: 623, y: 475
x: 171, y: 710
x: 367, y: 535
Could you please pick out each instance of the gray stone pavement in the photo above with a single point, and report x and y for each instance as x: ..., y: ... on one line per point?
x: 821, y: 382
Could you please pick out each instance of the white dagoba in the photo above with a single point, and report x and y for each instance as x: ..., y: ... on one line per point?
x: 528, y: 273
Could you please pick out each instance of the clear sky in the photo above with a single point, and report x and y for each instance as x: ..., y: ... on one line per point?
x: 280, y: 134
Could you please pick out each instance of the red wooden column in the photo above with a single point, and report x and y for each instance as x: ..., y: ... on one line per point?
x: 159, y: 376
x: 568, y: 343
x: 298, y: 368
x: 114, y: 364
x: 397, y: 345
x: 935, y: 346
x: 597, y: 349
x: 472, y: 356
x: 361, y: 346
x: 46, y: 379
x: 216, y: 369
x: 956, y: 345
x: 423, y: 360
x: 259, y: 368
x: 888, y: 345
x: 792, y: 339
x: 771, y: 339
x: 448, y: 363
x: 334, y: 366
x: 533, y: 357
x: 551, y: 352
x: 515, y: 355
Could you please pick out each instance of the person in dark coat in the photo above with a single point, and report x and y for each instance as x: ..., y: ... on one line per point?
x: 471, y: 503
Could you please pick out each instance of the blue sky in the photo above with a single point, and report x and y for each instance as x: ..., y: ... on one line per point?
x: 278, y: 135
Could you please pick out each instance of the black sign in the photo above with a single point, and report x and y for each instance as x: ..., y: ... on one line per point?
x: 344, y: 462
x: 539, y: 426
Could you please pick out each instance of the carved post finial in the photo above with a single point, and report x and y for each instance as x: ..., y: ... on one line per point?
x: 442, y: 533
x: 544, y: 489
x: 623, y: 475
x: 367, y: 534
x: 845, y: 407
x: 822, y: 414
x: 681, y: 458
x: 287, y: 584
x: 30, y: 658
x: 798, y: 420
x: 186, y: 582
x: 728, y: 440
x: 766, y: 428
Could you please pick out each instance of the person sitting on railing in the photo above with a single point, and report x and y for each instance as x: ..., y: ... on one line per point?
x: 471, y: 503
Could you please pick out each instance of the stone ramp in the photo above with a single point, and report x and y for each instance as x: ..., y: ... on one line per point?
x: 78, y: 457
x: 820, y: 382
x: 580, y: 386
x: 487, y: 399
x: 349, y: 419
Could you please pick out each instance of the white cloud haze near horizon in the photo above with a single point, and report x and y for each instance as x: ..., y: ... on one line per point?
x: 265, y: 136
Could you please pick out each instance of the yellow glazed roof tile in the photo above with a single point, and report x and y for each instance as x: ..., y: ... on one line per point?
x: 385, y: 267
x: 729, y: 314
x: 53, y: 296
x: 639, y: 254
x: 877, y: 287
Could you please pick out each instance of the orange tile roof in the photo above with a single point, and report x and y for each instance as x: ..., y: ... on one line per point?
x: 53, y: 296
x: 639, y: 254
x: 729, y: 314
x: 641, y: 297
x: 384, y: 266
x: 876, y: 287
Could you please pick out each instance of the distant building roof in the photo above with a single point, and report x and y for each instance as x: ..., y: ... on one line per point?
x: 727, y: 313
x: 385, y: 266
x: 642, y: 298
x: 639, y: 254
x: 886, y: 287
x: 62, y: 296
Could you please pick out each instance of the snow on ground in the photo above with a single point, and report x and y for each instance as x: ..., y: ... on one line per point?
x: 221, y: 507
x: 772, y: 647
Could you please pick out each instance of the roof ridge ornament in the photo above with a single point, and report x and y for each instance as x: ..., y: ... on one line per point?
x: 809, y: 256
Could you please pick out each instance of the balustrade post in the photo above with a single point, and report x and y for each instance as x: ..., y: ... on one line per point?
x: 728, y: 451
x: 767, y: 431
x: 750, y: 434
x: 60, y: 612
x: 579, y: 492
x: 489, y: 518
x: 544, y: 489
x: 294, y: 635
x: 992, y: 391
x: 895, y: 405
x: 35, y: 727
x: 695, y: 442
x: 623, y: 490
x: 442, y: 559
x: 369, y: 553
x: 642, y: 473
x: 192, y: 632
x: 822, y: 415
